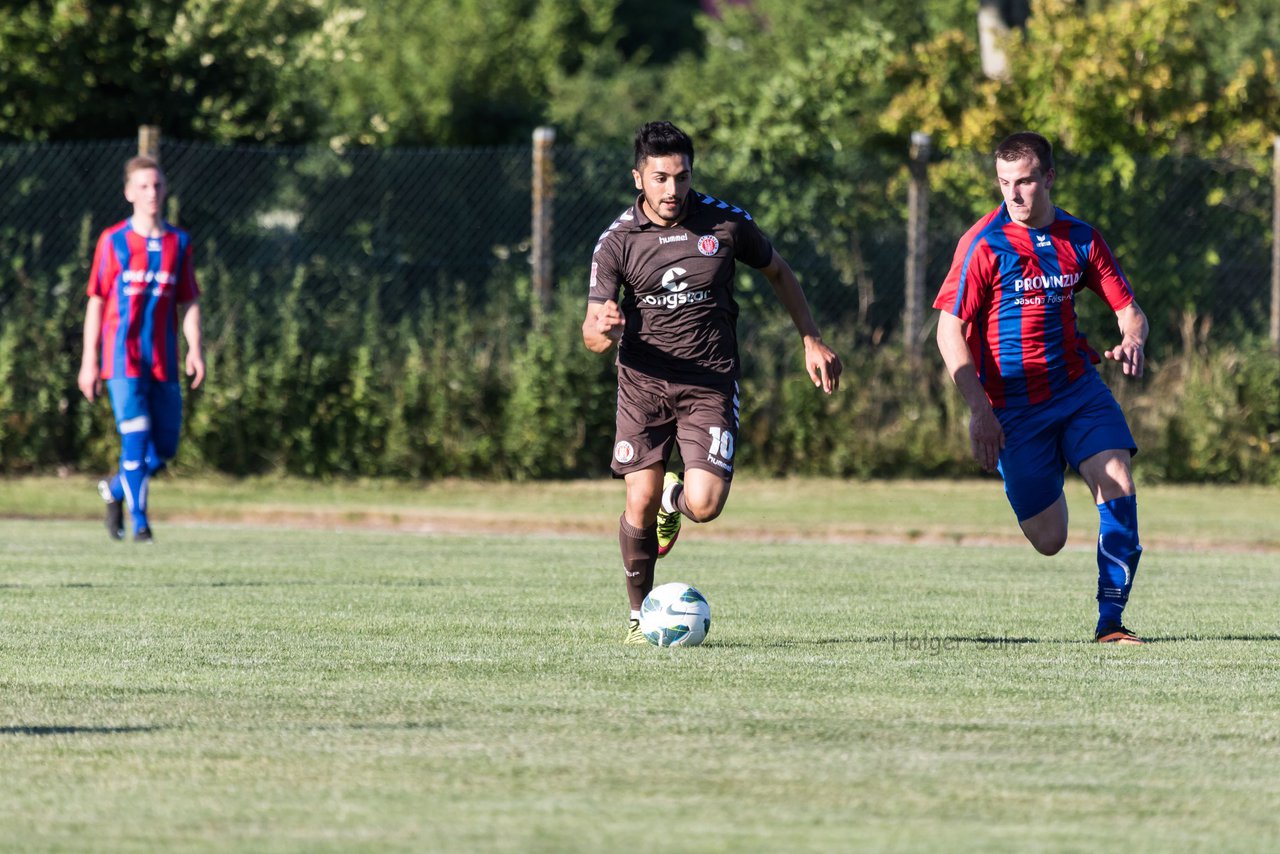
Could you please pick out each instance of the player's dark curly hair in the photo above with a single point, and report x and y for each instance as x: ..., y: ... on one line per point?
x: 1026, y: 144
x: 662, y: 139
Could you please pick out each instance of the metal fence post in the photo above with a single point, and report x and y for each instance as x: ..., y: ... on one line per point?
x: 1275, y: 244
x: 917, y: 244
x: 543, y: 211
x: 149, y: 141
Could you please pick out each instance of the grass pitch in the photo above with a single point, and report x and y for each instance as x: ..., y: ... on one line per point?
x: 313, y: 684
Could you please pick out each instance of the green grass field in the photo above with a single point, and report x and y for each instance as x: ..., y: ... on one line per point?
x: 380, y: 667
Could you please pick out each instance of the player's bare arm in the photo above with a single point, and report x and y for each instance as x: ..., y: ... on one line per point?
x: 1133, y: 337
x: 820, y: 360
x: 89, y: 379
x: 195, y: 342
x: 986, y: 436
x: 602, y: 326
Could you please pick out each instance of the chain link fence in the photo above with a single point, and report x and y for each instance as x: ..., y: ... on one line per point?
x: 401, y: 226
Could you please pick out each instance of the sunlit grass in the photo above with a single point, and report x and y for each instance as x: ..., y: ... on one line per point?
x: 244, y: 686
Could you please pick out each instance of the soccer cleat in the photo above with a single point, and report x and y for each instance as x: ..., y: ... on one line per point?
x: 1119, y: 635
x: 143, y: 535
x: 668, y: 523
x: 115, y: 511
x: 634, y: 635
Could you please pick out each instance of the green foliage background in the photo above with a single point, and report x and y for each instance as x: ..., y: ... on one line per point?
x: 801, y: 108
x: 504, y: 389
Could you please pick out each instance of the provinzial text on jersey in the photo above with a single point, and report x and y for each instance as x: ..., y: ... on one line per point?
x: 1040, y: 283
x: 162, y: 277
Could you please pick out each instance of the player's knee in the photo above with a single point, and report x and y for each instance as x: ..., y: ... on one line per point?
x: 706, y: 515
x: 1048, y: 544
x: 643, y: 504
x: 703, y: 508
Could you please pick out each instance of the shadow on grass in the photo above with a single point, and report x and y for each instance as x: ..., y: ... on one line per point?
x: 76, y: 585
x: 924, y: 641
x: 904, y: 641
x: 76, y: 730
x: 1204, y: 638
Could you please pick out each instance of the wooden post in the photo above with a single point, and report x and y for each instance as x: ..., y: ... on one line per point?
x: 149, y: 141
x: 544, y: 173
x: 1275, y: 244
x: 917, y: 245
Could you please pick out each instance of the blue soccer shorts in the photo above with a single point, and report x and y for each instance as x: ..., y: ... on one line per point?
x: 151, y: 408
x: 1042, y: 439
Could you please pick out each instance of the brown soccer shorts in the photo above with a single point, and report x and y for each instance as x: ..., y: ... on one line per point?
x: 654, y: 415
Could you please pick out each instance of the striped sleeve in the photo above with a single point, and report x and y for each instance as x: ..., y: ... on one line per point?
x: 965, y: 291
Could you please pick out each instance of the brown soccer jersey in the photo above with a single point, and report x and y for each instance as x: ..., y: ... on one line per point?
x: 675, y: 288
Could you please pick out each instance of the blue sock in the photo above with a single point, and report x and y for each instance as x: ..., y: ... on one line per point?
x: 134, y: 474
x: 1118, y: 555
x: 115, y: 487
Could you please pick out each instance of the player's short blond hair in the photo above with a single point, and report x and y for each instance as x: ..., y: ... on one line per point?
x: 136, y: 164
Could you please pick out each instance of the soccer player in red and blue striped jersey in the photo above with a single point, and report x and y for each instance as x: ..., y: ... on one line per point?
x: 1008, y: 334
x: 142, y: 280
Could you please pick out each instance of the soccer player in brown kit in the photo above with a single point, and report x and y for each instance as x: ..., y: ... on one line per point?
x: 662, y: 280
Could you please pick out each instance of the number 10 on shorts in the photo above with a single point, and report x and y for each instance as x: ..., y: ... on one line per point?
x: 721, y: 443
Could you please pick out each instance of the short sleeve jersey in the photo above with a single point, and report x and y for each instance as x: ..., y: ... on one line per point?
x: 142, y: 280
x: 675, y: 288
x: 1016, y: 288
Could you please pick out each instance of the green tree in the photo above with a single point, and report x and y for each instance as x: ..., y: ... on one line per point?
x: 223, y: 70
x: 1130, y: 77
x: 398, y: 81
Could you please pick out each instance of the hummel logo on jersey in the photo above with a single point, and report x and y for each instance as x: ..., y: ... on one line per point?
x: 669, y: 280
x: 675, y: 238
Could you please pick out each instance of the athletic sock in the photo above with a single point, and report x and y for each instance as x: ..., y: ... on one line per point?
x: 671, y: 498
x: 639, y: 556
x: 1118, y: 555
x: 134, y: 475
x: 115, y: 487
x: 673, y: 501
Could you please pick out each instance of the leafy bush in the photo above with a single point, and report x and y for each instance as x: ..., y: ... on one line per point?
x: 1212, y: 416
x: 503, y: 388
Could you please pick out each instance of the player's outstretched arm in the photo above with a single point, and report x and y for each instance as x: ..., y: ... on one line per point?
x: 89, y: 380
x: 820, y: 360
x: 602, y: 326
x: 195, y: 343
x: 986, y: 436
x: 1133, y: 337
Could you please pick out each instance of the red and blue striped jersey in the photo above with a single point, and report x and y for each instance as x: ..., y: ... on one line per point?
x: 142, y: 280
x: 1015, y: 287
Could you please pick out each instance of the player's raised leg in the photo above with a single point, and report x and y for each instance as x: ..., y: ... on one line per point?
x: 701, y: 496
x: 1032, y: 465
x: 669, y: 514
x: 707, y: 433
x: 1111, y: 482
x: 1047, y: 530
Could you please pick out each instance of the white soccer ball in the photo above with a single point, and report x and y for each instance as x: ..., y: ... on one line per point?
x: 675, y: 614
